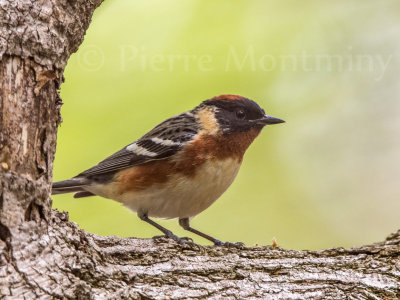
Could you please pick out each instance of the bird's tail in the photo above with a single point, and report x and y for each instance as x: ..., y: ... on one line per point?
x: 72, y: 185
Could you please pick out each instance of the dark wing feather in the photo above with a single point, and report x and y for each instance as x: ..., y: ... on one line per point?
x: 163, y: 141
x: 120, y: 160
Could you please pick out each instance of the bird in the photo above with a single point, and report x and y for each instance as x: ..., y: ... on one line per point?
x: 180, y: 167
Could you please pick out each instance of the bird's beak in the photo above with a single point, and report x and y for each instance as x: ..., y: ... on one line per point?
x: 268, y: 120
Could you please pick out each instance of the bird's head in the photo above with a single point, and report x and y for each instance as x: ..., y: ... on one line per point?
x: 233, y: 114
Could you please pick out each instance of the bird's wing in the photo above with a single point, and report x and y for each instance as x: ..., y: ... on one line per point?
x: 163, y: 141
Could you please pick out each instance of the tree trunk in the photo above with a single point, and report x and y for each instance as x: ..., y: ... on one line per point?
x: 43, y: 255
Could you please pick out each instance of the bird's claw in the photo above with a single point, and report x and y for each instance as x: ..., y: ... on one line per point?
x: 183, y: 240
x: 238, y: 245
x: 188, y: 239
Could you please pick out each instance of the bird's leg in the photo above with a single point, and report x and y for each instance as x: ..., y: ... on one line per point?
x: 184, y: 222
x: 167, y: 232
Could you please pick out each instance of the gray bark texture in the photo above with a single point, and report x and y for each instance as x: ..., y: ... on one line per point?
x: 45, y: 256
x: 54, y: 259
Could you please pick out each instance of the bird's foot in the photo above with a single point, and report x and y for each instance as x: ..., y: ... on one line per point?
x: 188, y: 239
x: 238, y: 245
x: 170, y: 235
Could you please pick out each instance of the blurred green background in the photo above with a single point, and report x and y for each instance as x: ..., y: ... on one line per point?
x: 328, y: 177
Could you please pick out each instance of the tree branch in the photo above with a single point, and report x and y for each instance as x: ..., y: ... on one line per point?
x: 66, y: 262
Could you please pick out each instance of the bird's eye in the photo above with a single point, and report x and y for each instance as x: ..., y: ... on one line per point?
x: 240, y: 114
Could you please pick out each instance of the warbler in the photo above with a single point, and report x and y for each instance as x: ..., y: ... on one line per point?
x: 181, y: 166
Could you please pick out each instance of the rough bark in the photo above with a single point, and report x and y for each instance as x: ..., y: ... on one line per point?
x: 36, y: 40
x: 43, y: 255
x: 65, y: 262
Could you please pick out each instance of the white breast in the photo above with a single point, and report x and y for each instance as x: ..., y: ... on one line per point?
x: 184, y: 196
